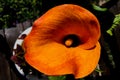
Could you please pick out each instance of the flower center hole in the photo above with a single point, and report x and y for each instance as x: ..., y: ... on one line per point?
x: 71, y: 40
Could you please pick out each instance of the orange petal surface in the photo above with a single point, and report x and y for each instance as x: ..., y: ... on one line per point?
x: 64, y: 40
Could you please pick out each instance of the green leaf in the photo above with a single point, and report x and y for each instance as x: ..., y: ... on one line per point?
x: 98, y: 8
x: 81, y: 79
x: 56, y: 77
x: 98, y: 70
x: 116, y: 22
x: 1, y: 9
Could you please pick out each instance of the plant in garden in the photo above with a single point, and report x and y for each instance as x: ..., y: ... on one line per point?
x: 18, y: 11
x: 22, y: 10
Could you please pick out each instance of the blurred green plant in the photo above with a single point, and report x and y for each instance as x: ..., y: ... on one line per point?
x: 18, y: 11
x: 57, y: 77
x: 60, y: 78
x: 98, y: 8
x: 116, y: 22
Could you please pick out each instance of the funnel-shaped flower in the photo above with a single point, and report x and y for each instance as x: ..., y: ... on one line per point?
x: 64, y: 41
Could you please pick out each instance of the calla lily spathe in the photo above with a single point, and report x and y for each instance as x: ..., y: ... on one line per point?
x: 63, y: 41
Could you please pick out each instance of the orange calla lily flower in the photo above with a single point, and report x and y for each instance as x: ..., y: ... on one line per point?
x: 64, y: 41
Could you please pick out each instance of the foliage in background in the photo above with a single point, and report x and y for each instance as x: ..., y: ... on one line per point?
x: 57, y: 77
x: 116, y: 22
x: 16, y: 11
